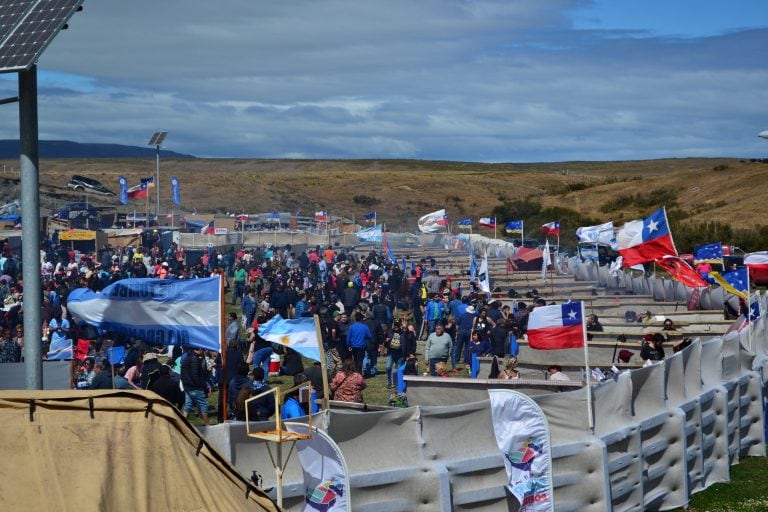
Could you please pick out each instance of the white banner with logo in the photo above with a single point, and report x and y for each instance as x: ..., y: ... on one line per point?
x: 522, y: 434
x: 326, y: 478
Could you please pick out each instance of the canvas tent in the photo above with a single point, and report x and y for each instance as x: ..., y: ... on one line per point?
x: 112, y: 450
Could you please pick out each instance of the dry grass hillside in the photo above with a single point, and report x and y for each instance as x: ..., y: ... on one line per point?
x: 725, y: 190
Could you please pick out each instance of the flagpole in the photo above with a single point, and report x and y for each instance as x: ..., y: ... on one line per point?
x: 323, y: 362
x: 222, y: 335
x: 586, y: 364
x: 749, y: 309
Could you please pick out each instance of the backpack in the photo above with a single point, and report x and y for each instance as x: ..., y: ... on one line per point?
x: 630, y: 316
x: 423, y: 291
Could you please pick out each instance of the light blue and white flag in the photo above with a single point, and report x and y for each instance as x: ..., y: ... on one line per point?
x: 157, y: 311
x: 299, y: 334
x: 372, y: 234
x: 60, y: 350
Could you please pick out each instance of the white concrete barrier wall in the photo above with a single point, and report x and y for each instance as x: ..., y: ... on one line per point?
x: 660, y: 434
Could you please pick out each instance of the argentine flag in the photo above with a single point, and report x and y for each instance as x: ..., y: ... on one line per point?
x: 299, y: 334
x: 157, y: 311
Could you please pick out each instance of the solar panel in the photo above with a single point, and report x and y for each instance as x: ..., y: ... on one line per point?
x: 157, y: 138
x: 27, y: 27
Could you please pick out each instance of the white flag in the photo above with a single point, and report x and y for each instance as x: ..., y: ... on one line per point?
x: 482, y: 275
x: 601, y: 234
x: 326, y: 478
x: 522, y: 434
x: 545, y: 262
x: 433, y: 222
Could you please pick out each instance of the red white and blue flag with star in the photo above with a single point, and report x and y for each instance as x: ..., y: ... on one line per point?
x: 556, y: 327
x: 642, y: 241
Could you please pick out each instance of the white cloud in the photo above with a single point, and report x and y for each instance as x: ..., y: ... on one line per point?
x: 505, y: 80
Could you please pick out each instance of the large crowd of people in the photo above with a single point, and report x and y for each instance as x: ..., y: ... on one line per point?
x: 368, y: 308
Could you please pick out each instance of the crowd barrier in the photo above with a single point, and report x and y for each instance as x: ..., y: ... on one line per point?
x: 661, y: 433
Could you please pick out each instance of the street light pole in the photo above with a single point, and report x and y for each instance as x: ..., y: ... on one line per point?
x: 156, y: 140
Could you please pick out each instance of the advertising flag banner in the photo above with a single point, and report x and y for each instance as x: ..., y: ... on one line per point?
x: 522, y: 435
x: 483, y: 280
x: 123, y: 190
x: 157, y: 311
x: 326, y: 477
x: 175, y: 191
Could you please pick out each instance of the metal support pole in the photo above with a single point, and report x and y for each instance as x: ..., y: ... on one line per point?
x: 157, y: 187
x: 30, y: 240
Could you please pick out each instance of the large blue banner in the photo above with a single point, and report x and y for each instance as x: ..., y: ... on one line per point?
x: 157, y: 311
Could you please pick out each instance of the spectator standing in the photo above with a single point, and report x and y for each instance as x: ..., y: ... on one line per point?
x: 438, y: 349
x: 358, y: 337
x: 193, y: 377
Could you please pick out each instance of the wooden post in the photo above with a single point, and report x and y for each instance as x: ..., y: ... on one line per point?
x: 323, y: 362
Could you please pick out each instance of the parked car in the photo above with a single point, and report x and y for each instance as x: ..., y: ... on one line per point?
x: 83, y: 184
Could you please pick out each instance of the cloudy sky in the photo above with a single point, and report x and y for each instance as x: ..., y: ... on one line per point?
x: 471, y: 80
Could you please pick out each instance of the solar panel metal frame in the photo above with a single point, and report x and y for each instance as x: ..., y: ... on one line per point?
x: 27, y: 27
x: 157, y: 138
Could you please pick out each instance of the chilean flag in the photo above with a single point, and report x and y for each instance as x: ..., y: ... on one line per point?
x: 757, y: 263
x: 551, y: 228
x: 557, y: 327
x: 489, y: 222
x: 138, y: 192
x: 321, y: 215
x: 641, y: 241
x: 208, y: 229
